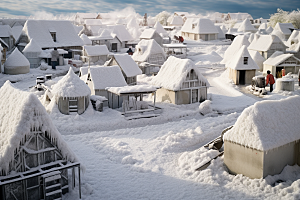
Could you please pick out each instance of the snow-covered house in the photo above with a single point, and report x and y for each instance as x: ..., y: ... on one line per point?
x: 16, y: 63
x: 279, y: 61
x: 294, y: 43
x: 264, y: 139
x: 149, y: 34
x: 129, y: 68
x: 242, y: 67
x: 71, y: 94
x: 95, y: 54
x: 199, y: 28
x: 35, y: 161
x: 106, y: 38
x: 266, y: 45
x: 176, y: 21
x: 50, y: 34
x: 181, y: 82
x: 237, y: 16
x: 6, y: 35
x: 283, y: 30
x: 94, y: 25
x: 148, y: 51
x: 32, y: 52
x: 235, y: 46
x: 81, y: 17
x: 101, y: 77
x: 246, y: 26
x: 160, y: 29
x: 122, y: 33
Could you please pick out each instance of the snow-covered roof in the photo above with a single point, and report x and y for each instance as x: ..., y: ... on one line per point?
x: 70, y: 86
x: 132, y: 23
x: 258, y: 59
x: 96, y: 50
x: 246, y: 26
x: 221, y: 33
x: 231, y: 30
x: 295, y: 39
x: 132, y: 89
x: 65, y: 33
x: 267, y: 124
x: 85, y: 39
x: 264, y: 42
x: 177, y: 21
x: 278, y: 57
x: 5, y: 31
x: 173, y: 73
x: 127, y: 64
x: 20, y: 112
x: 87, y: 15
x: 32, y: 46
x: 148, y: 33
x: 145, y: 48
x: 16, y: 31
x: 84, y: 71
x: 91, y: 22
x: 284, y: 28
x: 4, y: 43
x: 235, y: 46
x: 237, y: 60
x: 199, y: 26
x: 121, y: 21
x: 105, y: 35
x: 263, y: 26
x: 121, y: 32
x: 269, y: 30
x: 103, y: 77
x: 16, y: 59
x: 160, y: 29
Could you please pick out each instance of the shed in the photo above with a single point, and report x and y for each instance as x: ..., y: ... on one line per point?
x: 266, y: 45
x: 235, y: 46
x: 101, y: 77
x: 176, y: 49
x: 242, y: 67
x: 32, y: 52
x: 95, y: 54
x: 16, y: 63
x: 149, y: 34
x: 150, y: 52
x: 199, y: 28
x: 35, y: 161
x: 129, y: 68
x: 258, y: 146
x: 71, y: 94
x: 181, y: 82
x: 279, y: 61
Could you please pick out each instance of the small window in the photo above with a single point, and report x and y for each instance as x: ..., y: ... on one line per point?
x: 193, y: 26
x: 245, y: 60
x: 53, y: 35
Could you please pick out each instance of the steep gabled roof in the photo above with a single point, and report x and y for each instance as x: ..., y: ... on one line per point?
x: 70, y: 86
x: 267, y: 124
x: 237, y: 61
x: 173, y: 73
x: 5, y: 31
x: 39, y: 30
x: 246, y: 26
x: 145, y: 48
x: 148, y: 33
x: 121, y: 32
x: 284, y: 28
x: 264, y: 42
x: 278, y: 57
x: 16, y: 31
x: 159, y: 29
x: 32, y: 46
x: 176, y: 20
x: 103, y: 77
x: 127, y: 64
x: 21, y: 112
x: 199, y: 26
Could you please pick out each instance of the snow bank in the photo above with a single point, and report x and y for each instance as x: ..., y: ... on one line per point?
x: 267, y: 124
x: 70, y: 86
x: 19, y: 113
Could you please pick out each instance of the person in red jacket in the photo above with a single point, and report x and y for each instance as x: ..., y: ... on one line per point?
x: 270, y: 79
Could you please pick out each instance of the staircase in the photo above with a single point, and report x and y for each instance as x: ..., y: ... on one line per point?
x: 52, y: 186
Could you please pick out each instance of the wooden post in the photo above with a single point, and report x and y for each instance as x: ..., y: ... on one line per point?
x: 73, y: 178
x: 154, y: 102
x: 79, y: 181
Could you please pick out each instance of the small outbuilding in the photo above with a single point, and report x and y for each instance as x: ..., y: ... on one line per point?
x: 32, y: 52
x: 279, y: 61
x: 246, y: 26
x: 181, y: 82
x: 264, y: 139
x: 129, y: 68
x: 35, y: 161
x: 71, y: 94
x: 16, y: 63
x: 95, y: 54
x: 242, y: 67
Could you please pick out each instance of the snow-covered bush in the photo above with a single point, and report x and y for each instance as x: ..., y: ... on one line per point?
x: 162, y: 17
x: 285, y: 17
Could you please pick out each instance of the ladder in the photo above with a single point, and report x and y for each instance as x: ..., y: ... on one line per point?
x: 52, y: 186
x: 73, y: 105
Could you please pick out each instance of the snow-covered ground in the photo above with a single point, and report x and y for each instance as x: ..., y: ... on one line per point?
x: 156, y: 158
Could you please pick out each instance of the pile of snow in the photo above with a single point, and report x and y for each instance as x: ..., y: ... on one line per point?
x: 173, y: 73
x: 205, y: 107
x: 70, y: 86
x: 236, y: 45
x: 237, y: 61
x: 267, y: 124
x: 21, y: 112
x: 132, y: 89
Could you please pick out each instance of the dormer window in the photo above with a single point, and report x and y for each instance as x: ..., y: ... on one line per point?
x: 245, y: 60
x: 193, y: 26
x: 53, y: 35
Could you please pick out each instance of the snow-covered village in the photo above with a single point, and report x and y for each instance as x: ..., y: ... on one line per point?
x: 126, y: 102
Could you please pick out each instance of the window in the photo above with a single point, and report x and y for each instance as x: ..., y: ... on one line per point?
x: 53, y: 34
x: 245, y: 60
